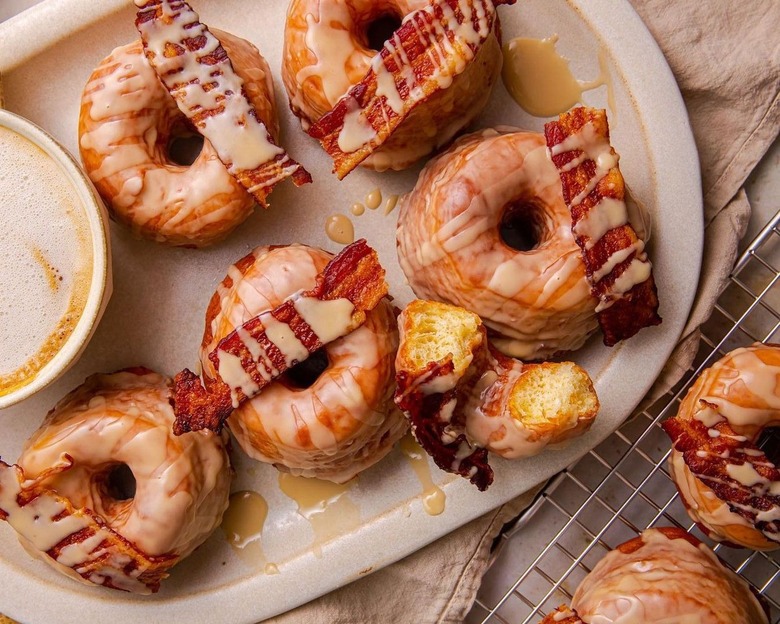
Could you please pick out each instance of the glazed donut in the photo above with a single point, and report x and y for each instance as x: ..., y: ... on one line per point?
x: 729, y: 486
x: 327, y: 50
x: 342, y: 423
x: 179, y: 486
x: 665, y: 575
x: 536, y: 303
x: 127, y: 124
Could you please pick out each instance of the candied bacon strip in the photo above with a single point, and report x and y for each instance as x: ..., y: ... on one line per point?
x: 76, y: 538
x: 617, y: 267
x: 716, y: 455
x: 562, y: 615
x: 432, y: 422
x: 432, y: 46
x: 435, y: 395
x: 248, y: 359
x: 196, y: 70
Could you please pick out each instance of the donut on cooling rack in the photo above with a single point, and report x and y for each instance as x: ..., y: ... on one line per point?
x: 728, y: 484
x: 533, y: 297
x: 382, y: 92
x: 463, y: 398
x: 106, y: 493
x: 331, y: 415
x: 137, y: 111
x: 664, y: 575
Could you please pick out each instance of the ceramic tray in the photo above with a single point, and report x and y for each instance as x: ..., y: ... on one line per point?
x: 155, y: 317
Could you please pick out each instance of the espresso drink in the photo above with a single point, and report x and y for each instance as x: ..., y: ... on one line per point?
x: 45, y: 259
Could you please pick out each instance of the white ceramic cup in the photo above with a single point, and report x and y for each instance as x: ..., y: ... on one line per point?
x: 100, y: 284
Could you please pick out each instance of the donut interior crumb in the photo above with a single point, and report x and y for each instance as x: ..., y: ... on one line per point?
x: 435, y: 332
x: 552, y: 396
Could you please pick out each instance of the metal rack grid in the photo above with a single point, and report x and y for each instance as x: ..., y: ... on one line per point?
x: 622, y: 486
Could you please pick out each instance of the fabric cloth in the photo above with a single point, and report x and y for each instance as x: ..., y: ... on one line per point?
x: 726, y: 59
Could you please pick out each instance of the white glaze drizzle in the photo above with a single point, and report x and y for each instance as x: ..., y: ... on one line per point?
x: 330, y: 41
x: 357, y: 130
x: 285, y: 340
x: 328, y: 319
x: 233, y: 374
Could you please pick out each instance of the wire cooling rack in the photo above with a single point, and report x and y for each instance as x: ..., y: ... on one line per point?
x: 623, y: 486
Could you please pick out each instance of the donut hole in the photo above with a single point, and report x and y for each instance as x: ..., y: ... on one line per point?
x: 120, y: 483
x: 379, y: 29
x: 184, y: 149
x: 522, y: 226
x: 304, y: 374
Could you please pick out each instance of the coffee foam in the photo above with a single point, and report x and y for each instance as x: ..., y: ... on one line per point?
x: 45, y: 259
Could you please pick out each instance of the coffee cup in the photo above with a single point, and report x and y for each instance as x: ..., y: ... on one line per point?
x: 55, y: 261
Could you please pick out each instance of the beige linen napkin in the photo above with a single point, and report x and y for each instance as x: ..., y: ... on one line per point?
x: 726, y: 58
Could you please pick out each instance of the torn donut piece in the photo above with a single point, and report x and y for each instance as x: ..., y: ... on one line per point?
x: 617, y: 267
x: 729, y: 486
x: 196, y: 70
x: 464, y: 398
x: 261, y: 349
x: 433, y: 48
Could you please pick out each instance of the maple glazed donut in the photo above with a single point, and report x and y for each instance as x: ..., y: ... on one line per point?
x: 163, y: 494
x: 332, y: 425
x: 662, y: 576
x: 537, y: 302
x: 728, y: 484
x: 127, y: 125
x: 329, y: 46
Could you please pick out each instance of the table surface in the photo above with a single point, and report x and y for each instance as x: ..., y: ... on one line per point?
x: 762, y: 187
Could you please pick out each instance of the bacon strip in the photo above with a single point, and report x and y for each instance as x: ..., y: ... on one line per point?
x: 430, y: 48
x: 196, y: 70
x: 717, y: 454
x: 76, y: 538
x: 258, y: 352
x: 617, y: 267
x: 434, y: 419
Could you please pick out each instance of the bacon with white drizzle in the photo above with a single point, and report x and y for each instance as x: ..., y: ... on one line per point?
x: 433, y: 403
x: 196, y: 70
x: 731, y: 465
x: 617, y: 267
x: 264, y: 347
x: 76, y: 539
x: 430, y: 48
